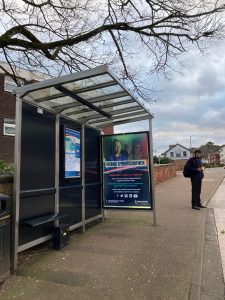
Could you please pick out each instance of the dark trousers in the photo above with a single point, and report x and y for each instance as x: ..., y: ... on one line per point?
x: 196, y: 191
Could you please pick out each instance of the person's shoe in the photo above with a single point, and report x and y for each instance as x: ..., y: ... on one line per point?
x: 195, y: 207
x: 201, y: 206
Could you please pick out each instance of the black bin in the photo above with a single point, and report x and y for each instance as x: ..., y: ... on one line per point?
x: 5, y: 228
x: 60, y: 236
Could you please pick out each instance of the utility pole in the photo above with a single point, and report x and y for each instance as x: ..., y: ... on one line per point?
x: 190, y: 142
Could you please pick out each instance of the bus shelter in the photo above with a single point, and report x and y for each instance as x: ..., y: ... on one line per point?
x: 47, y: 190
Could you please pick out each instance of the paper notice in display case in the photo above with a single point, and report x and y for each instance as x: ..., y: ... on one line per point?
x: 72, y: 153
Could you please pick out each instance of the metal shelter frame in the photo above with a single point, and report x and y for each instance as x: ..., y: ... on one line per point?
x: 94, y: 98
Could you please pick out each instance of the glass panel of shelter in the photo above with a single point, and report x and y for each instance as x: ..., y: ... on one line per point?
x: 99, y: 118
x: 87, y: 82
x: 60, y: 101
x: 43, y: 93
x: 89, y: 112
x: 76, y: 106
x: 109, y: 122
x: 51, y: 97
x: 100, y: 92
x: 66, y: 99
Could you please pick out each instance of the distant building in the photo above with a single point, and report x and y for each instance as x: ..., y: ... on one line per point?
x: 207, y: 149
x: 214, y: 158
x: 222, y: 154
x: 177, y: 152
x: 108, y: 130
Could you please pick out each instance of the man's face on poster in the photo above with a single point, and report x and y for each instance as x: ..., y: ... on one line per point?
x: 117, y: 147
x: 137, y: 148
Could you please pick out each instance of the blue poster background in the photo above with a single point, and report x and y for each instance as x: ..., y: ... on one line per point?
x: 126, y: 171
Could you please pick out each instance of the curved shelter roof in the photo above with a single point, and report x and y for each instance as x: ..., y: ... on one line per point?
x: 95, y: 97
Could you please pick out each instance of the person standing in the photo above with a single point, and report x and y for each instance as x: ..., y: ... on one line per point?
x: 196, y: 171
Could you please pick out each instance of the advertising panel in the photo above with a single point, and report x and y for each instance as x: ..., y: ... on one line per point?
x: 126, y: 171
x: 72, y: 153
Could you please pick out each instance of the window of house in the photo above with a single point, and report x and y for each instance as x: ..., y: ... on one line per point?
x: 178, y: 154
x: 9, y: 127
x: 171, y: 154
x: 184, y: 153
x: 10, y: 85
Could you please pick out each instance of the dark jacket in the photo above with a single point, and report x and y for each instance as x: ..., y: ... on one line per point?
x: 193, y: 164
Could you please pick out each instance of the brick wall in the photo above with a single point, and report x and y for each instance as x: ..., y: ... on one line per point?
x: 7, y: 110
x: 163, y: 172
x: 108, y: 130
x: 180, y: 164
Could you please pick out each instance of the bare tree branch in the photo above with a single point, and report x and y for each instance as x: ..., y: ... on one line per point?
x: 69, y: 36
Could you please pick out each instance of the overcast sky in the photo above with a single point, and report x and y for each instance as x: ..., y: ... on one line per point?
x: 190, y: 104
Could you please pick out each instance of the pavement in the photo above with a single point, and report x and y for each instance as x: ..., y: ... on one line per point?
x: 216, y: 209
x: 126, y: 257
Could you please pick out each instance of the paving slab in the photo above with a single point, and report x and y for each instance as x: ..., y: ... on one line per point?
x: 212, y: 281
x: 125, y: 257
x: 218, y: 203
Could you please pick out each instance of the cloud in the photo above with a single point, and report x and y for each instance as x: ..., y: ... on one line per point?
x: 132, y: 127
x: 191, y: 103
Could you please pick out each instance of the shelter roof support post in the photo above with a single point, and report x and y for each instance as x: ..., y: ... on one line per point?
x: 152, y: 177
x: 83, y: 175
x: 101, y: 177
x: 16, y: 189
x: 57, y: 167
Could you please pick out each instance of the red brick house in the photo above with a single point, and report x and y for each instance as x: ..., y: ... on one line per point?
x: 7, y: 108
x: 7, y: 119
x: 214, y: 158
x: 108, y: 130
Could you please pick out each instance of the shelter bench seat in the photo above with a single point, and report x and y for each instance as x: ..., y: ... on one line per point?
x: 33, y: 222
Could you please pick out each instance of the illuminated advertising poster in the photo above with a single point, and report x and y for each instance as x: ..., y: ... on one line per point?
x: 72, y: 153
x: 126, y: 171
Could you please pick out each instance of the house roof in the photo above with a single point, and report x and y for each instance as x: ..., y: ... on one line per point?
x: 214, y: 153
x: 173, y: 146
x: 28, y: 75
